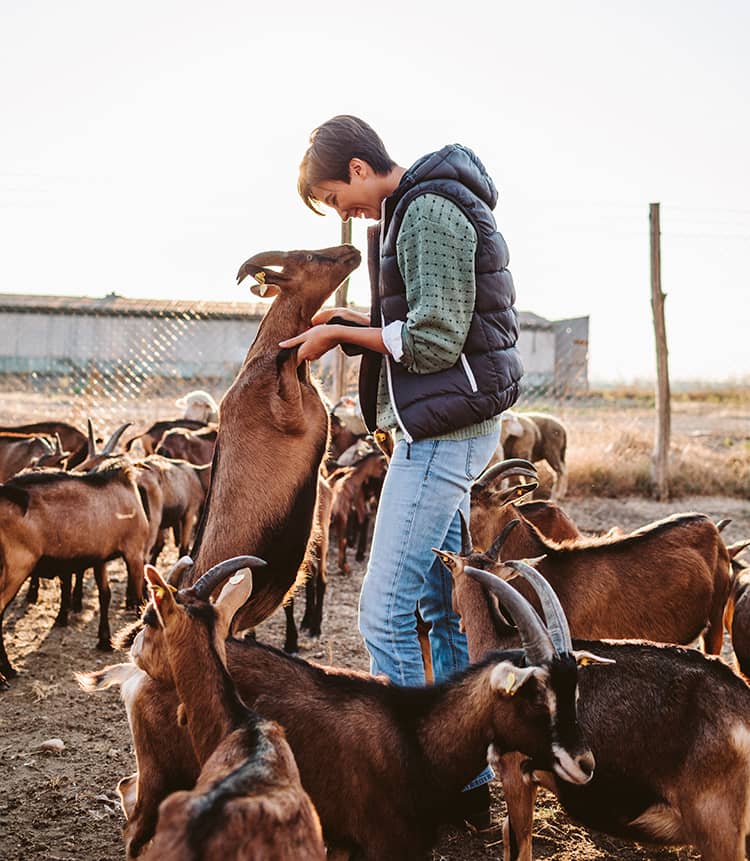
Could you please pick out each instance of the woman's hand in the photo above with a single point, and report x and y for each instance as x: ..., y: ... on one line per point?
x: 325, y: 314
x: 314, y: 342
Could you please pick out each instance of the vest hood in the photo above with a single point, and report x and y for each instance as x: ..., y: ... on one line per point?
x: 455, y: 162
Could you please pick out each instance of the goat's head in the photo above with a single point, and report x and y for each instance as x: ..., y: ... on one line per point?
x: 312, y: 274
x: 95, y: 458
x: 548, y: 678
x: 491, y: 506
x: 176, y: 610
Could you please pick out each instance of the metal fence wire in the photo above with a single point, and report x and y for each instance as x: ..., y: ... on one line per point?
x: 115, y: 359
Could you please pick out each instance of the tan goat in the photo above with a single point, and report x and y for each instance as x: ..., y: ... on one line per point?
x: 667, y: 581
x: 55, y: 518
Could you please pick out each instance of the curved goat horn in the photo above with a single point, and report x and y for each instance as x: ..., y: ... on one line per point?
x: 467, y: 545
x: 506, y: 469
x: 497, y: 544
x: 554, y: 615
x: 258, y: 261
x: 92, y: 440
x: 535, y: 638
x: 184, y: 563
x: 211, y: 579
x: 115, y: 438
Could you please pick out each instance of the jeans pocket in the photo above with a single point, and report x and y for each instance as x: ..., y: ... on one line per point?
x: 479, y: 453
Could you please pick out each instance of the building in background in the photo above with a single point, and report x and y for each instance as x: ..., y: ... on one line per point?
x: 126, y: 343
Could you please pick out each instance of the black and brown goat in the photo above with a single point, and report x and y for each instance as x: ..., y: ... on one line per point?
x: 272, y: 433
x: 667, y: 581
x: 248, y: 802
x: 669, y: 729
x: 64, y: 521
x: 414, y: 748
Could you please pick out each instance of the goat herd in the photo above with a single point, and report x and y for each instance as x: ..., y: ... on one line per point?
x: 581, y: 680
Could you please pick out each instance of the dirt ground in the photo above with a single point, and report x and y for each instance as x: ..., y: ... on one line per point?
x: 62, y: 807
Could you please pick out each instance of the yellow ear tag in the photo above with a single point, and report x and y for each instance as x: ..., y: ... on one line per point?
x: 509, y: 683
x: 584, y: 662
x: 260, y: 277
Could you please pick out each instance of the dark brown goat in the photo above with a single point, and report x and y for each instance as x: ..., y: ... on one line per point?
x: 58, y: 519
x: 72, y: 440
x: 353, y: 488
x: 272, y: 433
x: 194, y: 446
x: 413, y: 748
x: 150, y: 438
x: 248, y: 802
x: 670, y: 732
x: 667, y: 581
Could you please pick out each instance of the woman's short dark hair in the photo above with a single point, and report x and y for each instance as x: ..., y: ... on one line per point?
x: 332, y: 146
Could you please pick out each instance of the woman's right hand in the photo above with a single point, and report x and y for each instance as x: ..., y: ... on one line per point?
x: 325, y: 314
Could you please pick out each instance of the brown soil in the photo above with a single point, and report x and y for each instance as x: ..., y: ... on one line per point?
x: 62, y: 806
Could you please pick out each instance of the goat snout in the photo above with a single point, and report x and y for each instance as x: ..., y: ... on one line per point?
x: 573, y: 768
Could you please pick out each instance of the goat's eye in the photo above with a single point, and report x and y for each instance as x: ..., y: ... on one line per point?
x: 309, y: 258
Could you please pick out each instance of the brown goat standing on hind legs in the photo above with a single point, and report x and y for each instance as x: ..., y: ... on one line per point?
x: 248, y: 802
x: 273, y: 433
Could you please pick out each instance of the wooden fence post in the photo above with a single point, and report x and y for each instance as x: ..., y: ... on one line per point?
x: 660, y: 457
x: 341, y: 300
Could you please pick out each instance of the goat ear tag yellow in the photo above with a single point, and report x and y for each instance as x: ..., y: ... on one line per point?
x: 260, y: 277
x: 509, y: 683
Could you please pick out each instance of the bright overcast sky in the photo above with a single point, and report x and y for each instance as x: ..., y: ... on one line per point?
x: 148, y: 148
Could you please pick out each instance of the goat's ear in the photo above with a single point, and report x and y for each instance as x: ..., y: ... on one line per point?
x: 267, y: 281
x: 235, y: 593
x: 127, y: 789
x: 517, y: 493
x: 452, y: 561
x: 588, y: 659
x: 507, y: 679
x: 161, y: 591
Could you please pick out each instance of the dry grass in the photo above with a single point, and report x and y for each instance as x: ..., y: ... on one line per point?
x: 610, y: 450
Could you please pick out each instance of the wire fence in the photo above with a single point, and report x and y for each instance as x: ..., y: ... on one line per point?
x: 116, y: 360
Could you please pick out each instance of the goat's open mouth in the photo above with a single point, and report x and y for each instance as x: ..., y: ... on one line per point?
x: 569, y: 770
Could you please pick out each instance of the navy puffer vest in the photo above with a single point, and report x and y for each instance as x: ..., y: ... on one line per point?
x: 484, y: 381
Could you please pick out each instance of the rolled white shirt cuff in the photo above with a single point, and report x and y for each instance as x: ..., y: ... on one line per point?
x: 391, y: 335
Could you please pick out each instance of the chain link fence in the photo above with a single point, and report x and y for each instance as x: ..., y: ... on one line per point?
x: 115, y: 360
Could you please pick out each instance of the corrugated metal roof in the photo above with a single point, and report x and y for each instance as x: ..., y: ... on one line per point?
x: 113, y: 305
x: 118, y: 306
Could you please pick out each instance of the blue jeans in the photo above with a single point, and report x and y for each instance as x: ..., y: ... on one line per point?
x: 425, y: 487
